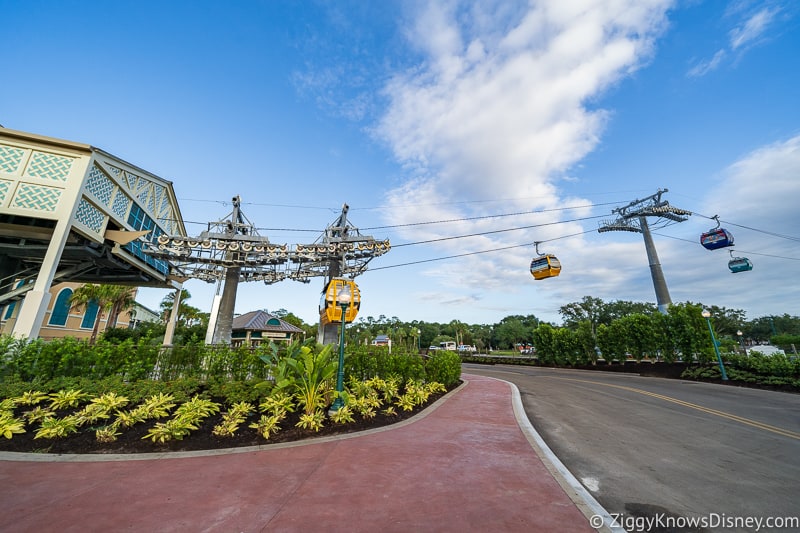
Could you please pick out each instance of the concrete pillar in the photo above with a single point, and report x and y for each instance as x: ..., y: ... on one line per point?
x: 329, y: 333
x: 663, y: 299
x: 31, y: 315
x: 169, y: 334
x: 213, y: 316
x: 222, y: 332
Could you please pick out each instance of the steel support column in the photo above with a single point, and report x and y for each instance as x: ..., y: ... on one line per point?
x: 659, y: 282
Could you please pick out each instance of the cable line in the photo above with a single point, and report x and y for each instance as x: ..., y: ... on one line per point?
x: 494, y: 231
x: 453, y: 256
x: 481, y: 251
x: 765, y: 232
x: 738, y: 251
x: 485, y: 217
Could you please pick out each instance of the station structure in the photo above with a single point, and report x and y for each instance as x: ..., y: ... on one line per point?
x: 72, y: 212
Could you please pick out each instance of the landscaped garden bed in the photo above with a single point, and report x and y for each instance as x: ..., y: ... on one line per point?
x: 114, y: 415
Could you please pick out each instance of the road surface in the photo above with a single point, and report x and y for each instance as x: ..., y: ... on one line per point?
x: 651, y: 447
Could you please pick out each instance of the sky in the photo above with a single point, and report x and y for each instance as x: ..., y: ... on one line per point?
x: 463, y: 132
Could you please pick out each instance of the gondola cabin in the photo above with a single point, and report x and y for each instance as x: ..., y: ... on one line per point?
x: 716, y: 238
x: 545, y: 266
x: 740, y: 264
x: 330, y: 306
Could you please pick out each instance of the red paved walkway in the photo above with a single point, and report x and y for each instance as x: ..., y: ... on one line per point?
x: 466, y: 466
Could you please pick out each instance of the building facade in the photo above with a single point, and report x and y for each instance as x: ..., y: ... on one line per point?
x: 256, y: 327
x: 71, y: 212
x: 62, y: 319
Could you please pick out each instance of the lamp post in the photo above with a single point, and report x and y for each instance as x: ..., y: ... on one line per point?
x: 707, y: 315
x: 343, y: 298
x: 419, y: 332
x: 741, y: 341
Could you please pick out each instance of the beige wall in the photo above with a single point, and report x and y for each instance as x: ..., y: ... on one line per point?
x: 73, y: 326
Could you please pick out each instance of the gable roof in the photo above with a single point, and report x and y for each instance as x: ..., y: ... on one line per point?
x: 262, y: 321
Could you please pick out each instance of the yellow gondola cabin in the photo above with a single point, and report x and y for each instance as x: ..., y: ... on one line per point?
x: 330, y: 305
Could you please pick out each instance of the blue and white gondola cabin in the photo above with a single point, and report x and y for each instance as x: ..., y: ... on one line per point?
x: 716, y: 238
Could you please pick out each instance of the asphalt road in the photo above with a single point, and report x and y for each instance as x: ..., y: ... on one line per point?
x: 649, y: 447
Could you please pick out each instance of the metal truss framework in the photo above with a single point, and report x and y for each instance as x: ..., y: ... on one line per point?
x: 235, y: 243
x: 629, y: 217
x: 633, y: 218
x: 232, y: 250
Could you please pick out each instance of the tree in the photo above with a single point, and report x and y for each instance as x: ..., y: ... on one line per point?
x: 566, y: 346
x: 512, y: 330
x: 184, y: 310
x: 85, y: 295
x: 586, y: 340
x: 727, y: 321
x: 545, y: 343
x: 589, y: 309
x: 611, y: 341
x: 621, y: 308
x: 122, y: 299
x: 639, y: 336
x: 688, y: 331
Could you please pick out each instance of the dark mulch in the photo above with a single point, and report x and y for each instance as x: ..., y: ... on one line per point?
x: 131, y: 440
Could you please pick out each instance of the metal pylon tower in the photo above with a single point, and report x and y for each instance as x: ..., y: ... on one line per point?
x: 633, y: 217
x: 231, y: 250
x: 353, y: 248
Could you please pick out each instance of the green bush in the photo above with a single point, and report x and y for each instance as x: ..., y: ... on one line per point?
x: 366, y: 362
x: 443, y: 367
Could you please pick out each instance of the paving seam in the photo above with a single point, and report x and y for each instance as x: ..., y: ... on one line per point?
x: 98, y: 458
x: 584, y: 500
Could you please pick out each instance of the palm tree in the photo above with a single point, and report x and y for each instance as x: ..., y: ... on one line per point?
x: 169, y: 301
x: 122, y: 299
x: 85, y: 295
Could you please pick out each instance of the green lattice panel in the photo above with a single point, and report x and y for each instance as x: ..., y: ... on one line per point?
x: 90, y: 216
x: 135, y: 182
x: 49, y: 166
x: 99, y: 185
x: 10, y: 158
x: 121, y: 203
x: 37, y: 197
x: 5, y: 186
x: 115, y: 170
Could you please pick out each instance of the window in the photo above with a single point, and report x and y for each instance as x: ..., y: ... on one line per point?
x: 90, y: 315
x: 61, y: 308
x: 139, y: 220
x: 10, y: 307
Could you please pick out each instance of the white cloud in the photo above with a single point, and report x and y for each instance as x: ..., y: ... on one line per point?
x: 761, y: 189
x: 501, y: 108
x: 514, y: 115
x: 704, y: 67
x: 752, y: 29
x: 755, y: 198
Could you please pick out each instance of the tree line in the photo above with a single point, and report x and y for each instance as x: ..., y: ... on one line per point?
x: 590, y: 328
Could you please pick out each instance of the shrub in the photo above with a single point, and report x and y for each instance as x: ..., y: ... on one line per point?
x: 443, y: 367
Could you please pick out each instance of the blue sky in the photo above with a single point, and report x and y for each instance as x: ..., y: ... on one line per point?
x: 427, y: 111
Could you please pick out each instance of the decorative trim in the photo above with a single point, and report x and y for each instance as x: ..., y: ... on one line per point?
x: 10, y: 158
x: 49, y: 166
x: 90, y: 216
x: 37, y: 197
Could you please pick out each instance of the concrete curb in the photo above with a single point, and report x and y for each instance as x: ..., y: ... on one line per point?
x: 588, y: 505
